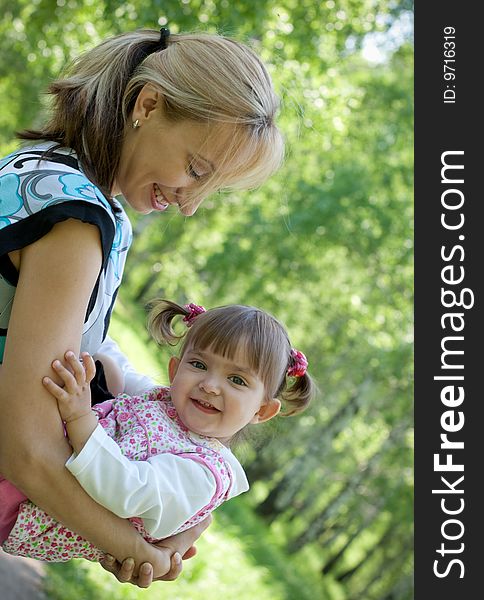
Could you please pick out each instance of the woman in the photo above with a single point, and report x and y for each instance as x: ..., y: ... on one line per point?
x: 162, y: 120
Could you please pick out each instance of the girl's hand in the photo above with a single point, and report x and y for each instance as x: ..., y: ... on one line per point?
x: 74, y: 399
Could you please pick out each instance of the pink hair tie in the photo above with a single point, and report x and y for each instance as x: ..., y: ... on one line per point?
x: 299, y: 364
x: 193, y: 311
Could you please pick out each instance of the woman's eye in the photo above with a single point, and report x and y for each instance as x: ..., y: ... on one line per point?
x: 237, y: 380
x: 193, y: 174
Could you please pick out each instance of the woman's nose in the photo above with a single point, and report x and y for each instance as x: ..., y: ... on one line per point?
x: 187, y: 207
x: 189, y: 210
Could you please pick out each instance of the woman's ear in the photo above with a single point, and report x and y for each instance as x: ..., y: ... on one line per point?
x: 148, y: 100
x: 267, y: 411
x: 173, y: 368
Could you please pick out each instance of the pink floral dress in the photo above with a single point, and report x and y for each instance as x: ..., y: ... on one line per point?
x: 142, y: 426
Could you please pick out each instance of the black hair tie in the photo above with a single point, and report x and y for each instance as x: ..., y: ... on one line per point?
x: 147, y: 48
x: 164, y: 35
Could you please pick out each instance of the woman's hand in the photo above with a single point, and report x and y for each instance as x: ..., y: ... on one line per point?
x: 180, y: 547
x: 124, y: 572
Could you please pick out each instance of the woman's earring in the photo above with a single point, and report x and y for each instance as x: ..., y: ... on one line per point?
x: 136, y: 124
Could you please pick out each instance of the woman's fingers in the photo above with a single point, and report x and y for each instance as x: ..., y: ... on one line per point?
x: 190, y: 553
x: 176, y: 567
x: 145, y: 576
x: 121, y: 572
x: 109, y: 563
x: 126, y: 571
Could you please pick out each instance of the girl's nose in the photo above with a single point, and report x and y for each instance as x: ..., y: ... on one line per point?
x: 210, y: 385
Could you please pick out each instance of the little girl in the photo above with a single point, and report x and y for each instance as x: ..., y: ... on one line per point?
x: 162, y: 459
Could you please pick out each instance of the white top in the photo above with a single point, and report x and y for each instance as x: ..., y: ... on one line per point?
x: 37, y: 194
x: 134, y: 383
x: 165, y: 490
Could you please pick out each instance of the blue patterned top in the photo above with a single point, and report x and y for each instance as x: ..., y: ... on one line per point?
x: 36, y: 192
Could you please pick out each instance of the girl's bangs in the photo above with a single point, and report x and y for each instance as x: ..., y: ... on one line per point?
x: 229, y: 331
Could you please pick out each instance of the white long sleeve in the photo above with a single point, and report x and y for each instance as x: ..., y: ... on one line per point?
x: 134, y: 383
x: 164, y: 491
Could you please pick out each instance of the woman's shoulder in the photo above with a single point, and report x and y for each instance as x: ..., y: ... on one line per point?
x: 35, y: 178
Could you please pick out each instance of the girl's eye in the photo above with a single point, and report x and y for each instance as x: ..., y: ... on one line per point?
x: 197, y: 364
x: 237, y: 380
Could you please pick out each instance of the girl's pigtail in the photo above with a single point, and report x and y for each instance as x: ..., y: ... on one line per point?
x: 160, y: 318
x: 297, y: 396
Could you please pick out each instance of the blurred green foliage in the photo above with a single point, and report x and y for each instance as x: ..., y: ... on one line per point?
x: 326, y: 245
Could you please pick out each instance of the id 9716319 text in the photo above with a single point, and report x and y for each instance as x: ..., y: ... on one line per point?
x: 449, y: 65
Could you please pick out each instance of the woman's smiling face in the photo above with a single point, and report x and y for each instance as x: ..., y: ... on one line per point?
x: 161, y: 159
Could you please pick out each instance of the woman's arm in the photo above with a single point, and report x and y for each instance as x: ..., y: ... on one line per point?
x: 57, y: 275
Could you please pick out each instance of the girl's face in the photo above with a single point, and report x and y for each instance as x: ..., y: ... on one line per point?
x: 162, y: 159
x: 216, y: 396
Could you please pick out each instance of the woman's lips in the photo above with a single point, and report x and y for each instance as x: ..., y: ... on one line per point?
x: 158, y: 200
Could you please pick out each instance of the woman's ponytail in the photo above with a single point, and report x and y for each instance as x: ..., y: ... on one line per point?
x: 87, y: 111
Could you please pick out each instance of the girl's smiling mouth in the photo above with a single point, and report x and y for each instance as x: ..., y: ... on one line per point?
x: 205, y: 407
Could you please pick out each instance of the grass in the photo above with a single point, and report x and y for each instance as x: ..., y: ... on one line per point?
x: 238, y: 559
x: 239, y: 556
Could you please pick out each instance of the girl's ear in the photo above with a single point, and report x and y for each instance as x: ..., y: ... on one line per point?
x: 173, y: 368
x: 267, y: 411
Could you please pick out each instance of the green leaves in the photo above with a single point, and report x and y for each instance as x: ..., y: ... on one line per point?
x: 325, y: 245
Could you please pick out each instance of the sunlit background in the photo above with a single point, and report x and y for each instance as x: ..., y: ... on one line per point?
x: 326, y: 245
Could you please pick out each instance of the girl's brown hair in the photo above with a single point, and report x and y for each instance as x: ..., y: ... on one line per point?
x: 202, y: 77
x: 225, y: 329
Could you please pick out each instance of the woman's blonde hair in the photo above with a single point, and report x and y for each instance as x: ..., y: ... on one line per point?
x: 202, y: 77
